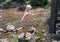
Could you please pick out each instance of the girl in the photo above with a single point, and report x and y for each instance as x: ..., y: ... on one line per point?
x: 25, y: 18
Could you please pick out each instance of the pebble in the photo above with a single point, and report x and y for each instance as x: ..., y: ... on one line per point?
x: 1, y: 29
x: 0, y: 16
x: 43, y: 39
x: 0, y: 33
x: 43, y: 30
x: 55, y: 41
x: 4, y: 40
x: 45, y: 34
x: 1, y: 10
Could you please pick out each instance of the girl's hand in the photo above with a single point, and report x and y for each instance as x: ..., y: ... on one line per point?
x: 34, y: 14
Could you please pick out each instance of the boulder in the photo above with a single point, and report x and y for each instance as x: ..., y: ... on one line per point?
x: 10, y: 27
x: 32, y: 30
x: 28, y: 36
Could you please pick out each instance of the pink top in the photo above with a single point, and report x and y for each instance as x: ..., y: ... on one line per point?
x: 25, y: 17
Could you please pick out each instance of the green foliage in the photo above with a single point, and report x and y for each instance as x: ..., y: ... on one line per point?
x: 7, y: 1
x: 9, y: 36
x: 14, y: 39
x: 35, y: 2
x: 59, y: 5
x: 48, y: 1
x: 2, y: 24
x: 21, y: 1
x: 57, y: 37
x: 32, y: 2
x: 36, y: 37
x: 40, y: 2
x: 27, y: 1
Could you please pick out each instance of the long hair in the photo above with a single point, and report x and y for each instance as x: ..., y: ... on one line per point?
x: 28, y: 7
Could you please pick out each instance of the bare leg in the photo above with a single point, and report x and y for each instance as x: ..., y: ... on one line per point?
x: 25, y: 30
x: 20, y: 28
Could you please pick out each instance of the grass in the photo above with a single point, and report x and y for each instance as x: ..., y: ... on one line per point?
x: 14, y: 39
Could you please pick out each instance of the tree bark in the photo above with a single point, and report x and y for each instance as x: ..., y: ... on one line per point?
x: 52, y: 25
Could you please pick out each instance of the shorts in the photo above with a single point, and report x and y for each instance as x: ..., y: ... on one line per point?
x: 24, y: 23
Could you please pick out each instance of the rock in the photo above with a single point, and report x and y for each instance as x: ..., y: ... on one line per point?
x: 43, y: 39
x: 1, y: 40
x: 55, y: 41
x: 58, y: 41
x: 4, y: 40
x: 21, y: 8
x: 32, y: 30
x: 45, y: 34
x: 1, y: 10
x: 10, y: 27
x: 0, y: 16
x: 28, y: 36
x: 1, y: 1
x: 43, y: 30
x: 1, y: 29
x: 0, y: 33
x: 22, y: 40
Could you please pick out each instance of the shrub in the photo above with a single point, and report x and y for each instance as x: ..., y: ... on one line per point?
x: 21, y: 1
x: 57, y: 37
x: 7, y: 1
x: 34, y: 2
x: 40, y: 2
x: 14, y: 39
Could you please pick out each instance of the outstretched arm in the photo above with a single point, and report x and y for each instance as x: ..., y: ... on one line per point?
x: 34, y: 14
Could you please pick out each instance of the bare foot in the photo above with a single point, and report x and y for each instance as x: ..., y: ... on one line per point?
x: 20, y: 28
